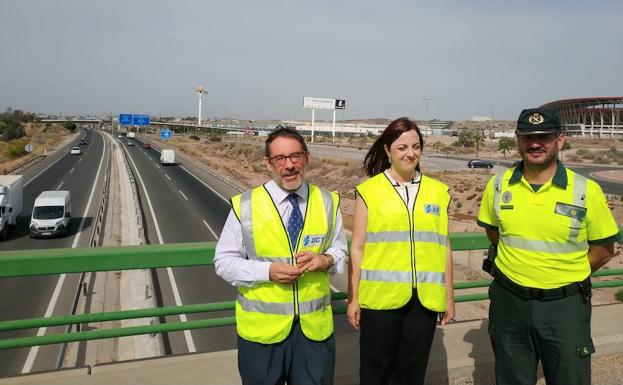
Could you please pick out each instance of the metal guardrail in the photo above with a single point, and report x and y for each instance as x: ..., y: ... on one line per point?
x: 56, y: 261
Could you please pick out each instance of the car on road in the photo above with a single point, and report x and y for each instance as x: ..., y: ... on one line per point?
x: 479, y: 163
x: 119, y: 136
x: 75, y: 151
x: 130, y: 143
x: 82, y: 142
x: 146, y: 145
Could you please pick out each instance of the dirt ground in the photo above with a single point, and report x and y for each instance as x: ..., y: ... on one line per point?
x: 42, y: 139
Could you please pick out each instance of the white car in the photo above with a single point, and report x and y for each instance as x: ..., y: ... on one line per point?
x: 75, y: 151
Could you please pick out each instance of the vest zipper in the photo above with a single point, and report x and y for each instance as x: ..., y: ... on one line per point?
x: 411, y: 251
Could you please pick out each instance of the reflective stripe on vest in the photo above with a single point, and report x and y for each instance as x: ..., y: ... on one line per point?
x: 306, y: 307
x: 402, y: 276
x: 404, y: 236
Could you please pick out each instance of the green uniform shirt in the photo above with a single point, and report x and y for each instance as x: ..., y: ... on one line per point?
x: 544, y: 235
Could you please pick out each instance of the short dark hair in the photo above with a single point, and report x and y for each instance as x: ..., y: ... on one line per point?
x: 376, y: 160
x: 284, y: 132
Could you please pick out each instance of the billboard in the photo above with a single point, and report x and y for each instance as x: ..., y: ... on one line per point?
x: 319, y: 103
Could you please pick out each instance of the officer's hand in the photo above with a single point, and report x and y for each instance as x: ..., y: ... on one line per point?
x: 449, y: 314
x: 284, y: 273
x: 353, y: 312
x: 313, y: 262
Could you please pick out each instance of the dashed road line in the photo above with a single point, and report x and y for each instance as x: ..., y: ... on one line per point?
x: 181, y: 192
x: 59, y: 186
x: 209, y: 228
x: 167, y: 176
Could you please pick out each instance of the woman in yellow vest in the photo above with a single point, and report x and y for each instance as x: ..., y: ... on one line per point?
x: 400, y: 272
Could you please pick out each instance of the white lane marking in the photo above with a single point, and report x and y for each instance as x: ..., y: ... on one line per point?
x: 157, y: 165
x: 200, y: 181
x: 72, y: 170
x: 32, y: 353
x: 167, y: 176
x: 176, y: 293
x: 209, y: 228
x: 44, y: 170
x: 181, y: 192
x: 205, y: 184
x: 79, y: 160
x: 59, y: 186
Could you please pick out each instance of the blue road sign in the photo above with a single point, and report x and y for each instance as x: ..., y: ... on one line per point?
x: 165, y: 134
x: 125, y: 119
x: 140, y: 120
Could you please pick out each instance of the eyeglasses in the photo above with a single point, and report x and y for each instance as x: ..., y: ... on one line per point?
x: 280, y: 160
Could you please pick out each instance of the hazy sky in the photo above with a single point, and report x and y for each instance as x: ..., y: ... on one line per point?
x: 258, y: 59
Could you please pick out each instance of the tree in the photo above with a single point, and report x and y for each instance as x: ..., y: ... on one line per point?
x: 507, y: 144
x: 69, y: 125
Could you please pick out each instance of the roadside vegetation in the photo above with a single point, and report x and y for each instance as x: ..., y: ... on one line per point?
x: 19, y: 128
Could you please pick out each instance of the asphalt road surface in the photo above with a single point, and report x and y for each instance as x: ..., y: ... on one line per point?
x: 30, y: 297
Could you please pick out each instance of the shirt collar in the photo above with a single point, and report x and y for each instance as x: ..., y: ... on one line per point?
x: 559, y: 179
x: 415, y: 180
x: 279, y: 195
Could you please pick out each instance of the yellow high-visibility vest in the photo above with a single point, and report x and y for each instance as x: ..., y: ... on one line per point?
x: 264, y: 313
x: 552, y: 252
x: 403, y: 252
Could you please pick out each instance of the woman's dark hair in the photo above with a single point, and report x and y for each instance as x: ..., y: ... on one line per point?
x: 285, y: 132
x: 376, y: 160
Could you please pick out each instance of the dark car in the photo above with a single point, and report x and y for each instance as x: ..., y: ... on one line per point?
x: 478, y: 163
x: 146, y: 145
x: 82, y: 142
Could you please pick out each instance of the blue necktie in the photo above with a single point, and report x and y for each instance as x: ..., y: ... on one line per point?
x: 295, y: 223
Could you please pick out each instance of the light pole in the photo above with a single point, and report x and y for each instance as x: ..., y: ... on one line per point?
x: 200, y: 90
x: 426, y: 100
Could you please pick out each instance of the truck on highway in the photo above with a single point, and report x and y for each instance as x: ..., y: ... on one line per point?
x: 51, y: 214
x: 131, y: 135
x: 167, y: 156
x: 11, y: 201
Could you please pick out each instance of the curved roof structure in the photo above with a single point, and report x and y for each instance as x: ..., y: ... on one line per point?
x: 592, y: 116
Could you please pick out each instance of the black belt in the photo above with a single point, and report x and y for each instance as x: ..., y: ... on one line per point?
x: 583, y: 287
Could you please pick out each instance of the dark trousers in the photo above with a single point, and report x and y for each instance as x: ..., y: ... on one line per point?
x: 524, y: 331
x: 395, y: 344
x: 297, y: 361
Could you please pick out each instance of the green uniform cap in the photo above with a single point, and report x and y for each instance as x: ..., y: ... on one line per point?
x: 538, y: 121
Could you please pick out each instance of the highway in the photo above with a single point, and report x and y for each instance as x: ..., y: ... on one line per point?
x: 177, y: 207
x: 28, y: 297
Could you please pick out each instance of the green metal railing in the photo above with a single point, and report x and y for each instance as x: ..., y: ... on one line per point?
x: 57, y: 261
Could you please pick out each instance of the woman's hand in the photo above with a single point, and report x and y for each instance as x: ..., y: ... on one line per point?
x: 449, y: 313
x: 354, y: 314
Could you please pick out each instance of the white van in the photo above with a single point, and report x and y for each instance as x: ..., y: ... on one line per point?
x: 167, y: 156
x: 51, y: 214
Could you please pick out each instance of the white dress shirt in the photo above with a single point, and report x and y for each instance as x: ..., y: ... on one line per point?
x: 407, y: 191
x: 230, y: 257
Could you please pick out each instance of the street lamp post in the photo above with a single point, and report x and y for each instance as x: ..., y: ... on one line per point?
x: 426, y: 100
x: 200, y: 90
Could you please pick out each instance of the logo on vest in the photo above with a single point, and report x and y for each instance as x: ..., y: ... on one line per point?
x: 431, y: 209
x: 313, y: 240
x: 507, y: 196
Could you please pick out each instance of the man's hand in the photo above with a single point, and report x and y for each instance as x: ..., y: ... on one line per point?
x: 284, y: 273
x: 313, y: 262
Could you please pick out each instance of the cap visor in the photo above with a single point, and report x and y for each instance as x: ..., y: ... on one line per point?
x: 519, y: 133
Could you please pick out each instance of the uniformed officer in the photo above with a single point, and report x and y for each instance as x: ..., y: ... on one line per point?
x: 278, y: 246
x: 552, y: 228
